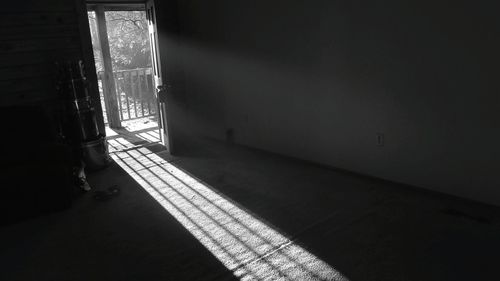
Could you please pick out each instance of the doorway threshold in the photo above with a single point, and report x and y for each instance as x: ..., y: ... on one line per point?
x: 134, y: 133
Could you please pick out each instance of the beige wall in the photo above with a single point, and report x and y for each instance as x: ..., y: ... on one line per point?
x: 319, y: 79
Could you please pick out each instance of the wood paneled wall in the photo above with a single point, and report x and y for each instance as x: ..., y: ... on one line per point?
x: 33, y: 36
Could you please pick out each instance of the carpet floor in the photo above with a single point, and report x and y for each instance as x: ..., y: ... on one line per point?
x: 219, y: 212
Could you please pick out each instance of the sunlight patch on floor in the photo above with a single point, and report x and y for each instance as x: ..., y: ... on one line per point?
x: 244, y: 244
x: 150, y: 136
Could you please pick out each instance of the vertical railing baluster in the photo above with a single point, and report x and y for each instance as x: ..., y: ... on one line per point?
x: 139, y: 87
x: 148, y: 94
x: 118, y: 94
x: 132, y: 85
x: 127, y: 92
x: 122, y: 90
x: 134, y: 98
x: 152, y: 93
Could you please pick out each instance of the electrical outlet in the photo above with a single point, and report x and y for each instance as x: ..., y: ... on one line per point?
x: 380, y: 139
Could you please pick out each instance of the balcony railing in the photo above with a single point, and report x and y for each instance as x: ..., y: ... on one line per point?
x: 134, y: 93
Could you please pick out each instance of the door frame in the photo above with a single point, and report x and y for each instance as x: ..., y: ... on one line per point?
x: 87, y: 53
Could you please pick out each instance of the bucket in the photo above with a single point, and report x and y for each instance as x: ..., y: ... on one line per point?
x: 95, y: 154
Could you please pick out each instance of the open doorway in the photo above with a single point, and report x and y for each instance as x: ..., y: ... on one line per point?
x: 122, y: 54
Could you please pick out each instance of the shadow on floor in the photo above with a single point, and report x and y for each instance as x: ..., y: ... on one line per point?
x: 129, y: 237
x: 243, y: 242
x: 365, y: 229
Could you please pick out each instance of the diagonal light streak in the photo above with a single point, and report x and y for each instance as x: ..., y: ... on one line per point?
x: 241, y: 242
x: 270, y: 246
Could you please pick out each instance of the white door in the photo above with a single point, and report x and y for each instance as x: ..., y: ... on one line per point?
x: 160, y: 89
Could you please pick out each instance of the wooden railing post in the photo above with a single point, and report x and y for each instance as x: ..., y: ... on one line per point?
x: 108, y: 81
x: 100, y: 76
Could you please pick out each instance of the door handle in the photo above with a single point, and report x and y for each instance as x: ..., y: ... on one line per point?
x: 162, y: 93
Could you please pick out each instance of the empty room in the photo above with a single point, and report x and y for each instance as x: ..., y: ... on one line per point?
x: 249, y: 140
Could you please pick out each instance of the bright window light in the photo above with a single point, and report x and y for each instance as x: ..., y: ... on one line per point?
x: 244, y: 244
